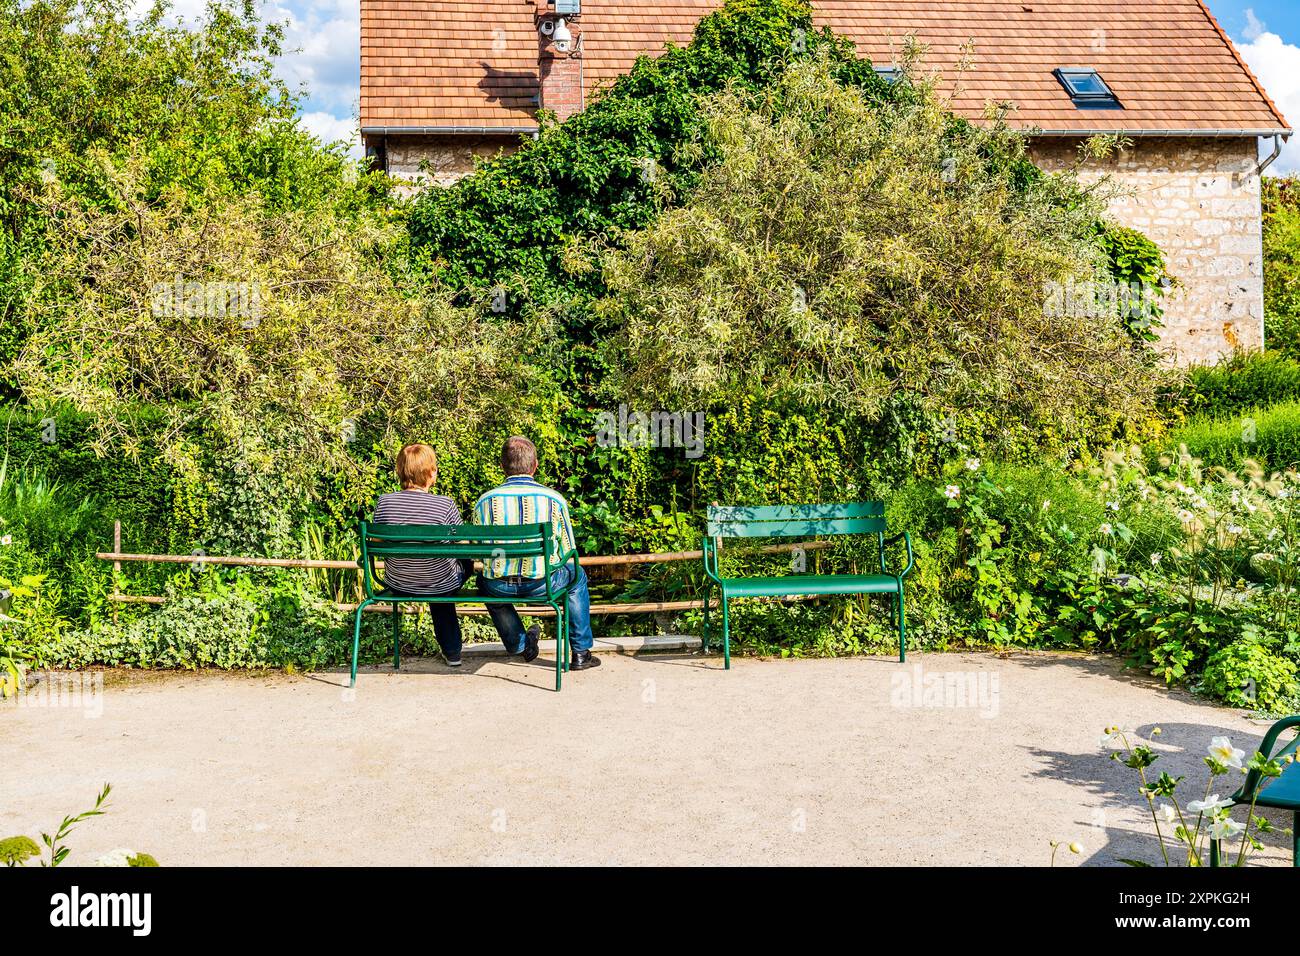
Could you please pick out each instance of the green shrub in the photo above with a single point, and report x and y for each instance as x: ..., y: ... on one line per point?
x: 1270, y: 436
x: 1245, y: 381
x: 1247, y: 674
x: 811, y: 271
x: 1281, y: 208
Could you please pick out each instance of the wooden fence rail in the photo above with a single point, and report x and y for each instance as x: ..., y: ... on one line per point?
x: 117, y: 556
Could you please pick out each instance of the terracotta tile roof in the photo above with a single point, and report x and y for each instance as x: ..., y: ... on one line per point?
x: 473, y: 63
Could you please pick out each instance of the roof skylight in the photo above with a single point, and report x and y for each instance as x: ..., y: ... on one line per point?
x: 1087, y: 88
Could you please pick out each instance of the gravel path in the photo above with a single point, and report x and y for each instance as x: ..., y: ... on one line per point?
x: 662, y: 759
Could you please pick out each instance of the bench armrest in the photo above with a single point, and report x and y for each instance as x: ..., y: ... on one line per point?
x: 1247, y: 791
x: 710, y: 568
x: 911, y: 558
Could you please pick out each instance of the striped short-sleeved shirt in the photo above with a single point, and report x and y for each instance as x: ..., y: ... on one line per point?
x: 419, y: 575
x: 523, y: 501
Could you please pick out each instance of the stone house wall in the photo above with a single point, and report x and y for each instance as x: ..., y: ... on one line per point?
x: 442, y: 159
x: 1199, y: 200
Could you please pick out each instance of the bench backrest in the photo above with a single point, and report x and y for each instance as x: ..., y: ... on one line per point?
x: 456, y: 541
x: 795, y: 521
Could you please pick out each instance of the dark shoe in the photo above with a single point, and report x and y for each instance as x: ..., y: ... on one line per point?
x: 530, y: 650
x: 583, y: 661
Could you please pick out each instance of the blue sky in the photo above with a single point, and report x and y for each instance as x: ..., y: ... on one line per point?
x: 326, y: 35
x: 1267, y: 34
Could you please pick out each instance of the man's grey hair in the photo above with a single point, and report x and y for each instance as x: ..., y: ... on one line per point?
x: 518, y: 456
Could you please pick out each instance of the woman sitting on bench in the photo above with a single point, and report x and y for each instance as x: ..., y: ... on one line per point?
x: 417, y: 470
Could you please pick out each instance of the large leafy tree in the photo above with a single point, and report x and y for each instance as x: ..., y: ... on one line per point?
x: 196, y: 109
x: 843, y: 254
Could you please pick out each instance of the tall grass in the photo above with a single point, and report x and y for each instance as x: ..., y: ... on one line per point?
x: 50, y: 518
x: 1269, y: 435
x: 321, y: 543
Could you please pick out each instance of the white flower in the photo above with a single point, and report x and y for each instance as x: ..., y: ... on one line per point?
x: 1155, y: 559
x: 1226, y: 829
x: 972, y: 464
x: 1168, y: 812
x: 1282, y: 492
x: 1185, y: 516
x: 1106, y: 528
x: 118, y: 857
x: 1047, y: 503
x: 7, y: 540
x: 1209, y: 804
x: 1235, y: 529
x: 951, y: 492
x: 1113, y: 505
x: 1222, y: 750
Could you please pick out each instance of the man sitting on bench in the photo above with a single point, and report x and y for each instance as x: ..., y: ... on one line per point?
x: 521, y: 500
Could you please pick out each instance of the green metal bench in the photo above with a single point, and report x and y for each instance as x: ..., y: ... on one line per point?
x: 1281, y: 792
x: 800, y: 521
x: 457, y: 542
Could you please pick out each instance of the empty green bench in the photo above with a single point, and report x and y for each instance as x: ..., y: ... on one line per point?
x: 801, y: 521
x: 458, y: 542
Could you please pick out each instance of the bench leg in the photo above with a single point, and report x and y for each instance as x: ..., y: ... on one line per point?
x: 1295, y: 839
x: 726, y: 635
x: 902, y: 628
x: 397, y: 636
x: 1214, y: 853
x: 560, y: 628
x: 356, y: 640
x: 704, y: 638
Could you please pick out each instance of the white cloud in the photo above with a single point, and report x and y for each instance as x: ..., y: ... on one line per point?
x: 322, y: 57
x: 1254, y: 26
x: 322, y: 51
x: 1276, y: 64
x: 328, y: 128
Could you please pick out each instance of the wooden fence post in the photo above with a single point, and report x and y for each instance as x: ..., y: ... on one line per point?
x: 117, y: 565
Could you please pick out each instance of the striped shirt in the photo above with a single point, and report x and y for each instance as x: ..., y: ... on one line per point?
x: 419, y: 575
x: 523, y: 501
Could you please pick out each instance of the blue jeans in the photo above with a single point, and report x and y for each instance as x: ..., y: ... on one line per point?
x: 577, y: 605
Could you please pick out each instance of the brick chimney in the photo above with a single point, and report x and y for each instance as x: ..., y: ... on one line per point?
x: 559, y: 71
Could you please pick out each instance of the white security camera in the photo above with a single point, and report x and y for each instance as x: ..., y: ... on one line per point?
x: 562, y: 37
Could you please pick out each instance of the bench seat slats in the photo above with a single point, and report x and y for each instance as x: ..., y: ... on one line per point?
x: 853, y: 509
x: 467, y: 533
x: 486, y: 551
x: 795, y: 527
x: 811, y: 584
